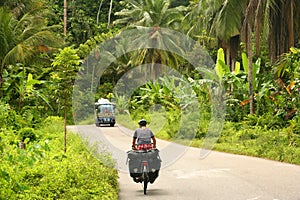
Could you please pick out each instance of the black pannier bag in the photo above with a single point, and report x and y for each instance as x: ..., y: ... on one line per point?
x: 154, y: 161
x: 135, y: 164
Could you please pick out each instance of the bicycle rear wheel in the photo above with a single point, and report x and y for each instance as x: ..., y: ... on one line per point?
x: 145, y: 175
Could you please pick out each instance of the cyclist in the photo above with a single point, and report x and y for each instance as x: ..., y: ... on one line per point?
x: 142, y: 137
x: 142, y: 141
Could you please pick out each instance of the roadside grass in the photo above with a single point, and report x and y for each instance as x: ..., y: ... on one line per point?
x: 44, y: 171
x: 275, y: 144
x: 89, y: 120
x: 279, y: 144
x: 126, y: 121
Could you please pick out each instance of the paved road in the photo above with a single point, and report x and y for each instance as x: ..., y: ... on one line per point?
x: 219, y: 176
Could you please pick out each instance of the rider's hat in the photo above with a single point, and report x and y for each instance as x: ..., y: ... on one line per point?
x: 142, y: 122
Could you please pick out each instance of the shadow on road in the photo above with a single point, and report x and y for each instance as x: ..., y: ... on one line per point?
x: 152, y: 192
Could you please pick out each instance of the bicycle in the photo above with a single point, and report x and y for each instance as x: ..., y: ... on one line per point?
x: 144, y: 166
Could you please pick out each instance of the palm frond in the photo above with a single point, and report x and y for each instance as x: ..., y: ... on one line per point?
x: 228, y: 21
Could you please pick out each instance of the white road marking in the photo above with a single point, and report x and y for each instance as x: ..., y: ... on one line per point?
x: 258, y: 197
x: 180, y: 174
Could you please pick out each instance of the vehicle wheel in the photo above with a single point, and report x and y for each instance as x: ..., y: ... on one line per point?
x: 145, y: 182
x: 112, y: 125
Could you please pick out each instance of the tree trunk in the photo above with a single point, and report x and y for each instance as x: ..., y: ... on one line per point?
x: 291, y: 24
x: 109, y: 13
x: 258, y: 26
x: 227, y: 54
x: 273, y: 34
x: 65, y: 17
x: 281, y: 30
x: 22, y: 145
x: 65, y: 125
x: 98, y: 13
x: 250, y: 70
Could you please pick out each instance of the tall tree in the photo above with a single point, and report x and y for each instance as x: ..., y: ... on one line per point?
x: 274, y: 22
x: 283, y: 30
x: 247, y: 33
x: 219, y: 19
x: 232, y: 20
x: 66, y: 65
x: 153, y: 13
x: 86, y: 18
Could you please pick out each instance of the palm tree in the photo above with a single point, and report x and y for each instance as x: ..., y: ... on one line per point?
x: 284, y: 23
x: 234, y: 20
x: 219, y: 19
x: 22, y: 38
x: 247, y: 28
x: 277, y: 22
x: 151, y: 13
x: 19, y: 8
x: 252, y: 15
x: 224, y: 20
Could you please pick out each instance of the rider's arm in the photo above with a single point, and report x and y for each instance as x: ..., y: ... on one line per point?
x: 134, y: 143
x: 154, y: 142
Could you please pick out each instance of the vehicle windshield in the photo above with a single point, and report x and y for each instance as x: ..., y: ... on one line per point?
x: 105, y: 108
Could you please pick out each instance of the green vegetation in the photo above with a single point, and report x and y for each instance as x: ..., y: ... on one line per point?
x: 43, y: 171
x: 271, y: 132
x: 260, y: 141
x: 255, y: 136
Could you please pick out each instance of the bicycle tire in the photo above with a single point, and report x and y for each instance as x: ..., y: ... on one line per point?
x: 145, y: 182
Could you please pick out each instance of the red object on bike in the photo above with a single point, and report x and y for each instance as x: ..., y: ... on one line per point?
x: 144, y: 146
x: 145, y: 163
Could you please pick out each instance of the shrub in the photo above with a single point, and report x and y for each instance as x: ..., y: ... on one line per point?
x: 43, y: 171
x: 9, y: 118
x: 267, y: 120
x: 27, y: 133
x: 4, y: 117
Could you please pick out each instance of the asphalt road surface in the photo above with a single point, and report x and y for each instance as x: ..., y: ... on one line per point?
x: 187, y: 176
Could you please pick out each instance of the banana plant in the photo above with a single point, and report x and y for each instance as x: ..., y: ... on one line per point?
x: 236, y: 79
x: 21, y: 88
x: 156, y: 93
x: 221, y: 68
x: 256, y: 69
x: 31, y: 91
x: 236, y: 83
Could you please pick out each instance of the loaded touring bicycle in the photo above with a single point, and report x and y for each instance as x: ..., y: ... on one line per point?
x: 144, y: 166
